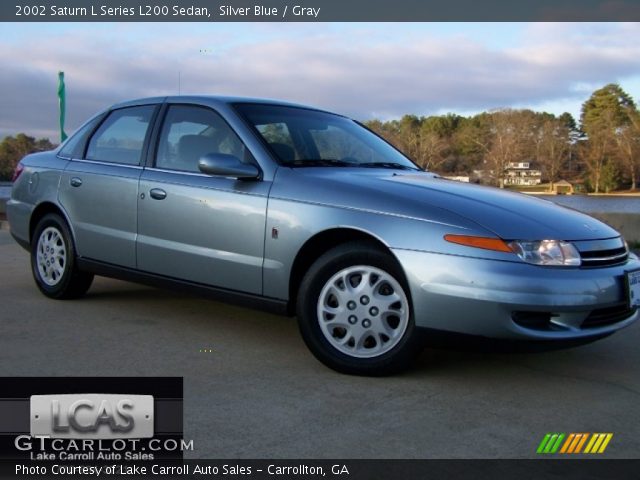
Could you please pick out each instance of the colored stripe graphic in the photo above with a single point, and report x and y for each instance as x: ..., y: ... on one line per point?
x: 543, y: 443
x: 550, y: 443
x: 556, y: 445
x: 579, y: 446
x: 577, y: 443
x: 565, y: 447
x: 573, y: 443
x: 598, y: 443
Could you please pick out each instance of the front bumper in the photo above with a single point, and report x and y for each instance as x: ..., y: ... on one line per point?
x: 514, y: 300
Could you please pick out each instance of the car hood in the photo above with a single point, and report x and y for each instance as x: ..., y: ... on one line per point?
x: 426, y: 196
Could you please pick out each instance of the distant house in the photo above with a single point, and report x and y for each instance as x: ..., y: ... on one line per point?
x: 521, y: 173
x: 563, y: 187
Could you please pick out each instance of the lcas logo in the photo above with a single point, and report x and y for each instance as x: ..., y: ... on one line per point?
x: 97, y: 416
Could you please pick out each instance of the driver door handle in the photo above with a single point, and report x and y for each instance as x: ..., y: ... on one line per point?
x: 158, y: 194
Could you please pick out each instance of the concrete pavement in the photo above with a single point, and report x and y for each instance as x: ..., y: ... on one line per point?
x: 261, y: 394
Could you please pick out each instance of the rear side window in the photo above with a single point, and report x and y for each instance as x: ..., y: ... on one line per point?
x: 74, y: 148
x: 120, y: 139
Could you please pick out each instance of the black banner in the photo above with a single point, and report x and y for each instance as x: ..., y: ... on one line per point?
x: 318, y: 10
x: 336, y: 469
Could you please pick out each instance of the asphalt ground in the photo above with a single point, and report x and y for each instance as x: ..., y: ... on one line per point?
x: 261, y: 394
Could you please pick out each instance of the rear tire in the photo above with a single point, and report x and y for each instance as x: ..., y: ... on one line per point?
x: 355, y: 312
x: 53, y: 260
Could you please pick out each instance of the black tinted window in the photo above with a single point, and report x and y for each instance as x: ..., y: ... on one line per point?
x: 120, y: 138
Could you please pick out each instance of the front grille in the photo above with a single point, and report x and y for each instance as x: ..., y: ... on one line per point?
x: 604, y: 258
x: 602, y: 253
x: 607, y: 316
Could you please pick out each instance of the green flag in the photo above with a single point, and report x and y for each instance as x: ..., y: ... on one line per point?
x: 61, y: 101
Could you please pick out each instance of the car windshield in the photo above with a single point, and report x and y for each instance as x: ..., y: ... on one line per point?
x: 301, y: 137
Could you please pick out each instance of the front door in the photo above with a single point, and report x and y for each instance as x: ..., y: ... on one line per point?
x: 195, y: 227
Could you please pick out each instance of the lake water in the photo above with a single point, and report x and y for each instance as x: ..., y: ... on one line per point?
x: 5, y: 190
x: 584, y: 203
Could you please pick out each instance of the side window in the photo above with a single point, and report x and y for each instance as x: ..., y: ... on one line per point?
x: 74, y: 148
x: 189, y: 132
x: 120, y: 138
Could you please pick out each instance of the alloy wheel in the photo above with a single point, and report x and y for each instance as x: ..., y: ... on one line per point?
x: 363, y: 311
x: 51, y: 256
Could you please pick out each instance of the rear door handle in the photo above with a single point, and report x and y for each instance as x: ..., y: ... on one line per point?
x: 158, y: 193
x: 75, y: 181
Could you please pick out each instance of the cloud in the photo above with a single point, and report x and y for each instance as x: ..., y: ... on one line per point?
x: 374, y: 70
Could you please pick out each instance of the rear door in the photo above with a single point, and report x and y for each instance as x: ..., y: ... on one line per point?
x: 99, y: 190
x: 196, y: 227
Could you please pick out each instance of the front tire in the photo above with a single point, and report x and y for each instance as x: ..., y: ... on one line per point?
x: 355, y: 313
x: 53, y: 260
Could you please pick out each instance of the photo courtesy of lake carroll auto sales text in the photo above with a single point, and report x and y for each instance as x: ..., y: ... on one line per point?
x: 303, y: 239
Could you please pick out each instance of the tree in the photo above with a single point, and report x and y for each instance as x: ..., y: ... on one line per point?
x: 603, y: 117
x: 470, y: 142
x: 432, y: 149
x: 409, y: 136
x: 610, y: 178
x: 12, y: 149
x: 553, y: 144
x: 436, y: 140
x: 506, y: 136
x: 567, y: 120
x: 628, y: 142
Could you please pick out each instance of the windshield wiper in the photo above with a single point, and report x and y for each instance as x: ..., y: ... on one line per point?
x: 321, y: 162
x: 393, y: 165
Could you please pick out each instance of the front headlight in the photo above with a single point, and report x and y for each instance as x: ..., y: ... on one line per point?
x: 546, y: 252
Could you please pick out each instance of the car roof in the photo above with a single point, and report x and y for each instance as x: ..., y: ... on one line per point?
x: 212, y: 100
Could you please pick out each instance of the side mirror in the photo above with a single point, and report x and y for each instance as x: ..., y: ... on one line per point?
x: 223, y: 165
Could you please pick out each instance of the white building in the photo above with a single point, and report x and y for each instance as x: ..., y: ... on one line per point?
x: 521, y: 173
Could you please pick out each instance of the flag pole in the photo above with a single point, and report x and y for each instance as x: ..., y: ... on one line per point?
x: 61, y: 103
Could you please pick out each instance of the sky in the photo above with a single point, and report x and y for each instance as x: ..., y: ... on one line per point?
x: 364, y: 70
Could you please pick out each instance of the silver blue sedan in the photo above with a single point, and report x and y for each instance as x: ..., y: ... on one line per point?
x: 306, y: 212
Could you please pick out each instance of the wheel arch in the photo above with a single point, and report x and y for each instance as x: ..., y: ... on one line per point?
x: 321, y: 243
x: 43, y: 209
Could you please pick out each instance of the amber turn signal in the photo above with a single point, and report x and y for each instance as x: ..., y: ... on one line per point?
x: 479, y: 242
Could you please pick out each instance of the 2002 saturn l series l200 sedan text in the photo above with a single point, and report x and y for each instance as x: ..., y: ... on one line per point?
x: 308, y: 212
